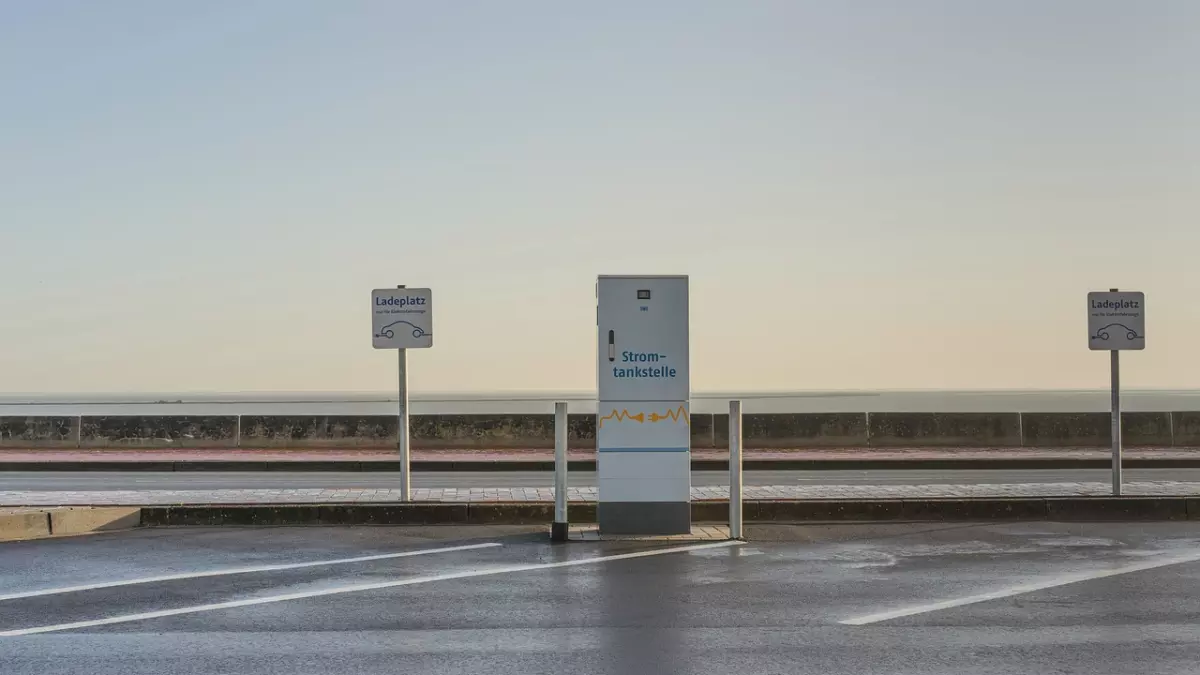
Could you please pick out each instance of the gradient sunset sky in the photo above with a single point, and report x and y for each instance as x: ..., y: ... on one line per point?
x: 877, y: 194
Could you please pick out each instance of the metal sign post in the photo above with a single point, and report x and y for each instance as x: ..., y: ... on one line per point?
x: 1116, y: 321
x: 402, y: 319
x: 402, y: 424
x: 1115, y: 367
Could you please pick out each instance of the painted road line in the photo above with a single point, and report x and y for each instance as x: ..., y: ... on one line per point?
x: 1021, y: 589
x: 240, y: 570
x: 358, y: 588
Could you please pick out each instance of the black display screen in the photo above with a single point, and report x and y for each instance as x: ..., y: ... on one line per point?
x: 644, y: 295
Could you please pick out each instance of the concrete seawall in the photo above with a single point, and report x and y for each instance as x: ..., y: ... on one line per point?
x: 201, y: 431
x: 1095, y: 429
x: 962, y: 430
x: 796, y: 430
x: 41, y: 432
x: 762, y: 430
x: 1185, y: 428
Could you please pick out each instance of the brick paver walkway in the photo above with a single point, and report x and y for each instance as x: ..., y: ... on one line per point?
x: 345, y: 495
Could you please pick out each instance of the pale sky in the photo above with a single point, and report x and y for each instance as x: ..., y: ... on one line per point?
x: 877, y: 194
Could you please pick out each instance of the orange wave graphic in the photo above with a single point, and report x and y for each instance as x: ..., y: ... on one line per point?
x: 675, y: 415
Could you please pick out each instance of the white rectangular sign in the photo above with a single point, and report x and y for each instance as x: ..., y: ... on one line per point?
x: 401, y: 318
x: 1116, y: 320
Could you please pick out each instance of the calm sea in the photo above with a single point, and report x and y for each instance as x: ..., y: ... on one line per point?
x: 383, y: 403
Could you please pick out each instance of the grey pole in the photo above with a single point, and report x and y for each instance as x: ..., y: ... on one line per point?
x: 559, y: 529
x: 735, y: 469
x: 1115, y: 366
x: 402, y: 428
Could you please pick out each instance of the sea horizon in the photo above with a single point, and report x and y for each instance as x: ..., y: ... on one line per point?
x: 316, y: 402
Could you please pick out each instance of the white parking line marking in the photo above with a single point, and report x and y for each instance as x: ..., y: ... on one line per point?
x: 1052, y: 582
x: 127, y: 618
x: 240, y: 570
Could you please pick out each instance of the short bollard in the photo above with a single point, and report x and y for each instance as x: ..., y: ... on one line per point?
x: 735, y: 469
x: 559, y: 530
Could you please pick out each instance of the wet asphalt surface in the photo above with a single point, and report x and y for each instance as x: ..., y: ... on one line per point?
x: 1065, y: 598
x: 184, y: 480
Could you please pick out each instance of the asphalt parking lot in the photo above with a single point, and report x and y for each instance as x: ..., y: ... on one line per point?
x: 897, y: 598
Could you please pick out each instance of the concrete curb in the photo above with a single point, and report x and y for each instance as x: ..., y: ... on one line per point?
x: 757, y: 511
x: 56, y: 522
x: 847, y: 464
x: 95, y: 519
x: 28, y: 525
x: 359, y: 514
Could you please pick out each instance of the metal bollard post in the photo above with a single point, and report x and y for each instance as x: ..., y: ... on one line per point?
x: 559, y: 529
x: 735, y: 469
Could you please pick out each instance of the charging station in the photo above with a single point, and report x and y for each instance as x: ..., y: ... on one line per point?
x: 643, y: 422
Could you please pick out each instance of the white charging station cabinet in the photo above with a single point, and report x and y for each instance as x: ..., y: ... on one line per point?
x: 643, y: 422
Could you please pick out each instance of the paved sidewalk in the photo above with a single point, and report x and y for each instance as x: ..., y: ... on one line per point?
x: 584, y: 494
